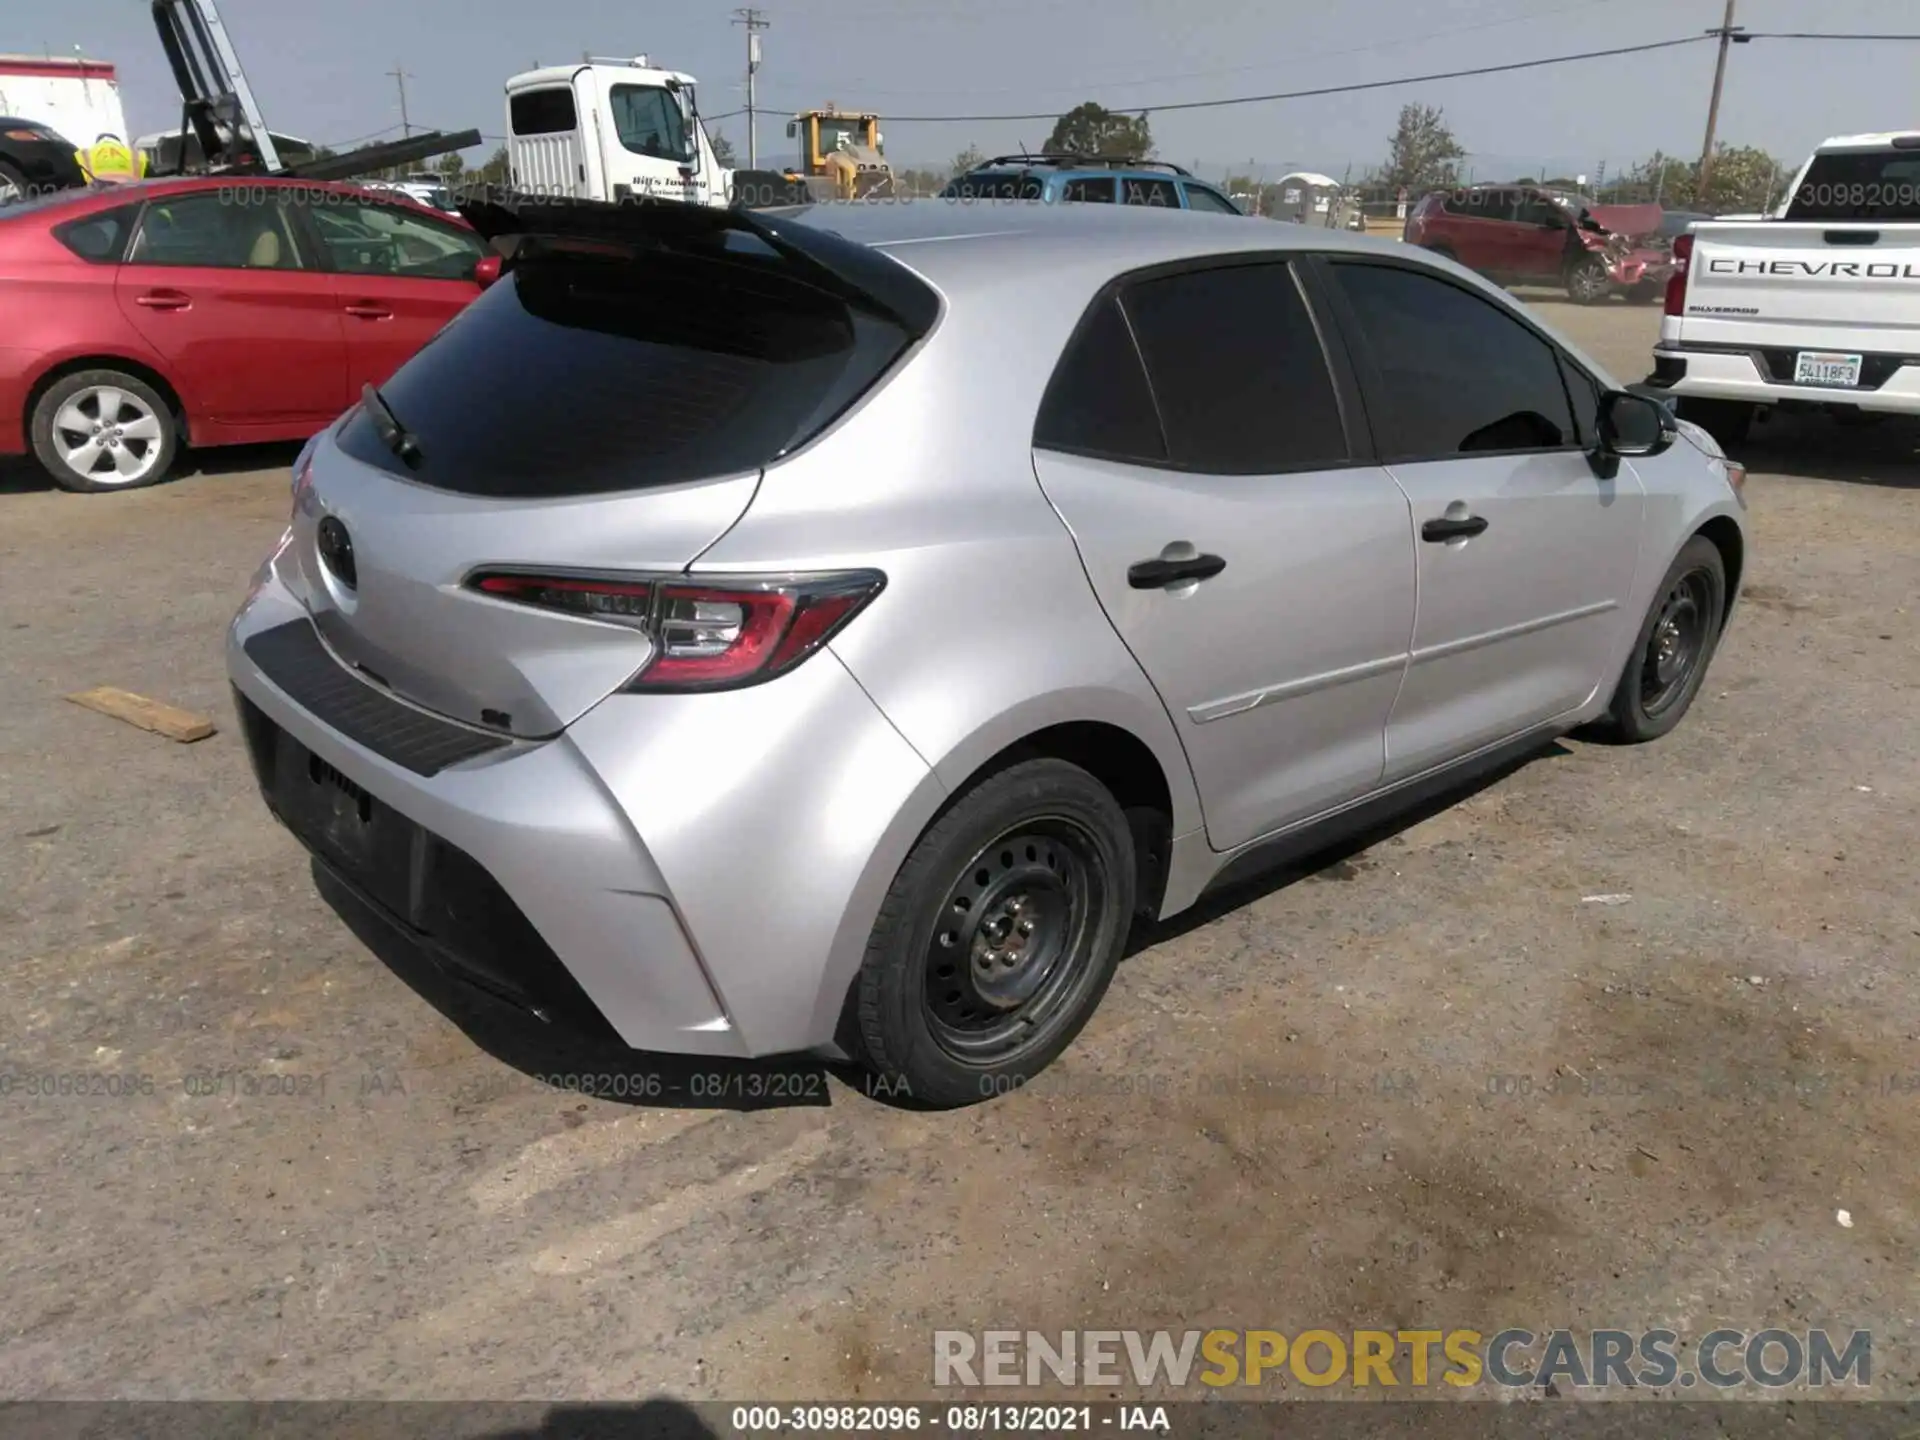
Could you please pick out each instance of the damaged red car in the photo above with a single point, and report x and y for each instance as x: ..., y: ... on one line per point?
x: 1521, y: 234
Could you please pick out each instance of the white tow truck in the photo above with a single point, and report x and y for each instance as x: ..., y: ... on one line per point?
x: 611, y: 129
x: 1814, y: 307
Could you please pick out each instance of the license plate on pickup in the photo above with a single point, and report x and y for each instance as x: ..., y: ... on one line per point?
x: 1819, y: 367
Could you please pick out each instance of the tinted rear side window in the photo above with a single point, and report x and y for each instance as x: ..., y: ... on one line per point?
x: 100, y: 238
x: 1864, y: 185
x: 1238, y: 370
x: 578, y: 376
x: 542, y: 112
x: 1098, y: 402
x: 1460, y: 375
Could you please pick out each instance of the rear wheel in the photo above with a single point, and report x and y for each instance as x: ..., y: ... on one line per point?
x: 102, y: 430
x: 1588, y: 282
x: 1675, y: 645
x: 999, y: 936
x: 1728, y: 421
x: 1647, y: 293
x: 13, y: 185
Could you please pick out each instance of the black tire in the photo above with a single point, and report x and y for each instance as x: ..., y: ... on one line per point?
x: 1653, y: 698
x: 1043, y: 832
x: 13, y: 184
x: 1728, y: 421
x: 48, y: 446
x: 1647, y: 293
x: 1588, y: 282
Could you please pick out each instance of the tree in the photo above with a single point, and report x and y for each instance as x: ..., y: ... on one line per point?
x: 1424, y: 154
x: 968, y: 159
x: 1091, y: 129
x: 722, y: 150
x: 1744, y: 178
x: 452, y: 168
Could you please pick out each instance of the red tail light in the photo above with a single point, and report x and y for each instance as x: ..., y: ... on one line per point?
x: 1677, y: 282
x: 706, y: 637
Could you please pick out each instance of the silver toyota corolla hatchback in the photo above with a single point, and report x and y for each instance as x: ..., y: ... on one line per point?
x: 830, y: 631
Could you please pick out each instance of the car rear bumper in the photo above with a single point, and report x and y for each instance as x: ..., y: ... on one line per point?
x: 696, y: 874
x: 1750, y: 375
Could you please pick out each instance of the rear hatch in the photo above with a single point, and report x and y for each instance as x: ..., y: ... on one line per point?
x: 1840, y: 269
x: 604, y: 411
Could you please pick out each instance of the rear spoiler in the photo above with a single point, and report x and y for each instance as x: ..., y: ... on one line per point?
x: 855, y: 273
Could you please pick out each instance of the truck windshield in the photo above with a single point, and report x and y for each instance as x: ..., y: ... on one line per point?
x: 841, y: 134
x: 649, y: 121
x: 1859, y: 185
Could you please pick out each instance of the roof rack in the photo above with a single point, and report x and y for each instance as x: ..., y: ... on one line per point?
x: 1068, y: 157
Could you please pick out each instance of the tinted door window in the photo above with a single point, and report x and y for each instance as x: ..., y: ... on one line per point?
x: 1538, y: 210
x: 1238, y: 370
x: 1097, y: 189
x: 230, y: 228
x: 365, y: 237
x: 542, y: 112
x: 1460, y: 375
x: 1151, y: 192
x: 1201, y: 198
x: 649, y: 122
x: 1099, y: 402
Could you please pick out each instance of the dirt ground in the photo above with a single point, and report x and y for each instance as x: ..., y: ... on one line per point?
x: 1427, y: 1084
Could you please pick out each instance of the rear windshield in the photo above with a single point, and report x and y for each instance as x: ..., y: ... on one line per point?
x: 994, y: 187
x: 578, y: 376
x: 1862, y: 185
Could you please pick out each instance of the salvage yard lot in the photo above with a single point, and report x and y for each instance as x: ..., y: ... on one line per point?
x: 1606, y: 1042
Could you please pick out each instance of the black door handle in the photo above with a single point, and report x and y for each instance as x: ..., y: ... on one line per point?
x: 1449, y: 529
x: 1158, y: 574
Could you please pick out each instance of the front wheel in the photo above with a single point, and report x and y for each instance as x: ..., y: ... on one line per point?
x: 1674, y: 646
x: 1588, y: 282
x: 998, y: 937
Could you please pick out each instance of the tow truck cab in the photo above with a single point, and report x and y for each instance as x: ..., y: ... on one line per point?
x: 610, y: 130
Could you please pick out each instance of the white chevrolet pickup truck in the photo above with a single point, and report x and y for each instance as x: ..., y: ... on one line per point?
x: 1817, y: 306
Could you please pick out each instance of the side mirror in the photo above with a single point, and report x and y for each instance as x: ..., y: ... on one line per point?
x: 1630, y: 425
x: 486, y: 270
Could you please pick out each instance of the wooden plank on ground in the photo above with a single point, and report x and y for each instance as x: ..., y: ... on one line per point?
x: 155, y: 715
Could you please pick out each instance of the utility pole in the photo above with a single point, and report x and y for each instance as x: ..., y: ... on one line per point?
x: 1730, y: 34
x: 401, y: 77
x: 755, y: 22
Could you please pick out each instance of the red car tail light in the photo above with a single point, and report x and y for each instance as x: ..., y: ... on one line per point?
x: 706, y: 637
x: 1677, y: 282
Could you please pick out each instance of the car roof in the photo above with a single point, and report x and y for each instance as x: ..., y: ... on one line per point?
x: 107, y: 196
x: 988, y: 241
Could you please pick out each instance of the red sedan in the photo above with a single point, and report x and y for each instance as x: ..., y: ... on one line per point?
x: 215, y: 310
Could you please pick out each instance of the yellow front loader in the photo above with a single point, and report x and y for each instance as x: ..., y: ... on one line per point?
x: 841, y: 155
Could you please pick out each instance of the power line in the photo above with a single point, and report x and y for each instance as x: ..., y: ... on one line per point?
x: 1395, y: 43
x: 1326, y: 89
x: 1821, y: 35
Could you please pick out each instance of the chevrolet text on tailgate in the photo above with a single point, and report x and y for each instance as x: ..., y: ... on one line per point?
x: 1817, y: 307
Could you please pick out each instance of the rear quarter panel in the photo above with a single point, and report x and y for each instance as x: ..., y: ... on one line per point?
x: 54, y: 309
x: 988, y: 629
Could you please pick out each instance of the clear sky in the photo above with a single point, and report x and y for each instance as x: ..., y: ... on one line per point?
x: 319, y: 69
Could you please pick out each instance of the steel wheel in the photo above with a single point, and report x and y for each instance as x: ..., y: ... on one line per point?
x: 107, y: 436
x: 1012, y: 951
x: 1678, y: 642
x: 9, y: 191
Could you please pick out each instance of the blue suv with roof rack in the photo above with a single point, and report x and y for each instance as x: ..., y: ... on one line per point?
x: 1089, y: 179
